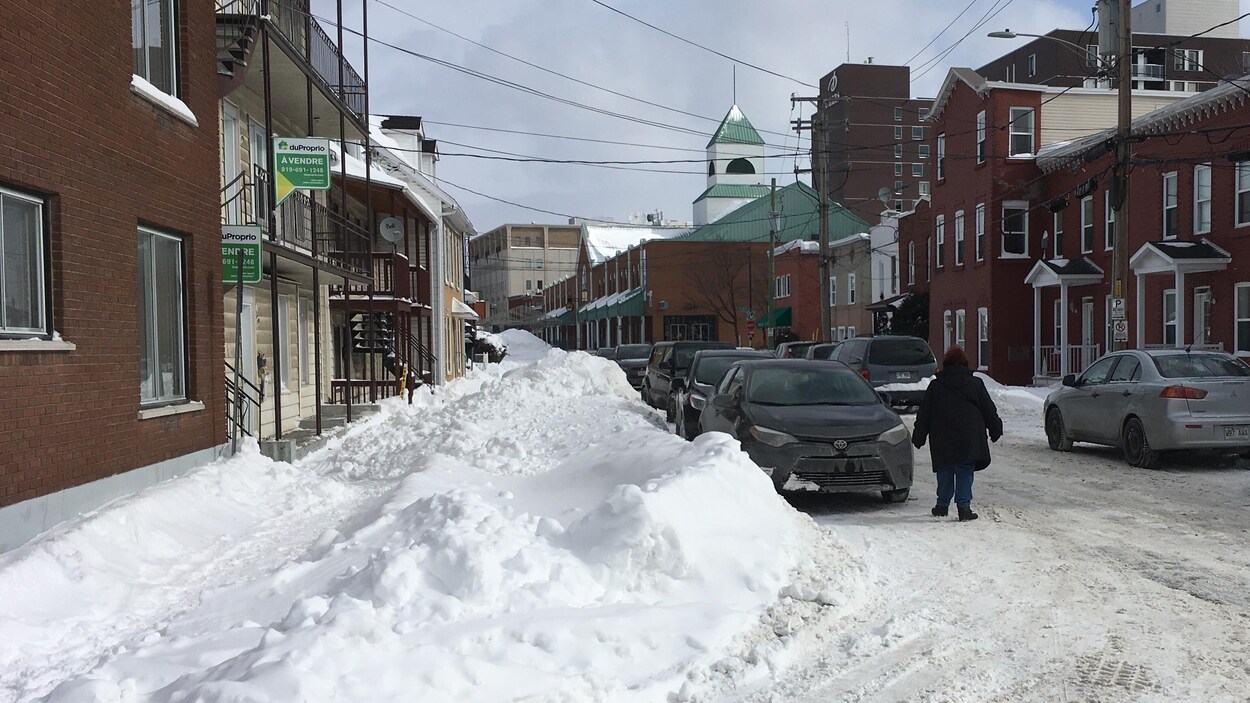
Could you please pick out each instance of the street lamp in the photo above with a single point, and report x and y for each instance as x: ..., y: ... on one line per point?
x: 1077, y: 48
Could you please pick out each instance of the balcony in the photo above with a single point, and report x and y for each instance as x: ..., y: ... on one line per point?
x: 1147, y: 72
x: 392, y: 283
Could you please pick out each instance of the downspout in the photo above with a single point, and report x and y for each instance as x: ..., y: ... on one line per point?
x: 438, y: 296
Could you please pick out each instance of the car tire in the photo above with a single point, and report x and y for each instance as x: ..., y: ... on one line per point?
x: 646, y: 395
x: 1057, y: 432
x: 1137, y: 449
x: 896, y: 496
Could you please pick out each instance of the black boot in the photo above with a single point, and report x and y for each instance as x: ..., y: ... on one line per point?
x: 966, y: 514
x: 940, y: 512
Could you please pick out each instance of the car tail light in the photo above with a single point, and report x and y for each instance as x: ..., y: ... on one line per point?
x: 1183, y: 393
x: 865, y: 374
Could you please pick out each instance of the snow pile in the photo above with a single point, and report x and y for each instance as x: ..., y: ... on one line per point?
x: 524, y: 347
x: 1009, y: 399
x: 543, y: 538
x: 489, y: 339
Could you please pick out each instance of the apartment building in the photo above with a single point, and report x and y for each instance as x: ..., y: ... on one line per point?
x: 515, y: 261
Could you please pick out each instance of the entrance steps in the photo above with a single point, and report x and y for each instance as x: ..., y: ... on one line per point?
x: 299, y: 443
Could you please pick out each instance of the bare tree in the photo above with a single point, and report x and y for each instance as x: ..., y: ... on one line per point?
x: 728, y: 278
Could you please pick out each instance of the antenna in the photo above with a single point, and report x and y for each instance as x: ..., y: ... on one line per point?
x: 848, y: 41
x: 735, y: 84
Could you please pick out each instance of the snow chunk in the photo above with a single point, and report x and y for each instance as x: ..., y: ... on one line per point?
x: 141, y: 87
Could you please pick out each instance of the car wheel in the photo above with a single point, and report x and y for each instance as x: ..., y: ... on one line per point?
x: 896, y: 496
x: 680, y: 425
x: 646, y: 395
x: 1056, y: 432
x: 1137, y: 449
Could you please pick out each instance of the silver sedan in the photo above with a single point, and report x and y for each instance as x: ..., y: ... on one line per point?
x: 1154, y: 401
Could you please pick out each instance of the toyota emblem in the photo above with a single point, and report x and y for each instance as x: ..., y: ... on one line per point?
x: 840, y: 445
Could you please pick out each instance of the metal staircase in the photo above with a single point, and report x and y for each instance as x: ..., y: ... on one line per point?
x: 238, y: 24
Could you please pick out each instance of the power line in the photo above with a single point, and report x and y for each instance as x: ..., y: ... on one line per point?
x: 939, y: 34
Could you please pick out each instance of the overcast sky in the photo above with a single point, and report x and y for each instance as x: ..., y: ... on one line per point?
x: 801, y: 39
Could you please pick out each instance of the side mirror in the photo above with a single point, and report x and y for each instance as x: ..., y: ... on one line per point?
x: 724, y: 401
x: 885, y: 397
x: 858, y: 360
x: 1070, y: 380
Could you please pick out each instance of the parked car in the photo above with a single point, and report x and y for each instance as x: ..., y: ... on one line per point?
x: 813, y: 426
x: 1149, y: 402
x: 888, y: 359
x: 706, y: 369
x: 794, y: 350
x: 605, y: 352
x: 632, y: 358
x: 821, y: 351
x: 667, y: 366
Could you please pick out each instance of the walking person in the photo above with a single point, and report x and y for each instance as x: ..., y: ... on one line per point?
x: 955, y: 418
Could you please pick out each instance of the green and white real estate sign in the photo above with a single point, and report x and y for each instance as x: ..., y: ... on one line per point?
x: 300, y: 164
x: 236, y: 239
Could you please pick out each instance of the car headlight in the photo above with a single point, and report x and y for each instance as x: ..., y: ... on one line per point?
x: 697, y: 401
x: 895, y: 435
x: 772, y: 438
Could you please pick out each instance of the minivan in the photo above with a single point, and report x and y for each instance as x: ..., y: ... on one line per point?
x: 890, y: 359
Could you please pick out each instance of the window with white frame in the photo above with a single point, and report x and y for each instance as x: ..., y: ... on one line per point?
x: 959, y: 237
x: 1015, y: 229
x: 941, y: 240
x: 1108, y: 212
x: 1057, y: 339
x: 898, y: 114
x: 898, y: 187
x: 898, y: 132
x: 922, y: 151
x: 154, y: 41
x: 917, y: 170
x: 941, y: 156
x: 981, y: 137
x: 1032, y: 65
x: 917, y: 134
x: 1243, y: 193
x: 840, y: 334
x: 978, y: 233
x: 783, y: 286
x: 1169, y: 206
x: 162, y: 311
x: 1091, y: 55
x: 898, y: 169
x: 946, y: 330
x: 1169, y: 317
x: 1242, y: 314
x: 983, y: 338
x: 923, y: 113
x: 1010, y: 73
x: 23, y: 250
x: 911, y: 263
x: 898, y: 151
x: 1202, y: 199
x: 1057, y: 231
x: 960, y: 328
x: 923, y: 188
x: 850, y: 331
x: 1020, y: 141
x: 1087, y: 224
x: 529, y: 284
x: 1188, y: 60
x: 833, y: 291
x: 850, y: 289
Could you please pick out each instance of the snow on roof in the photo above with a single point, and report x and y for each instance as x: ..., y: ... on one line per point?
x: 804, y: 246
x: 851, y: 239
x: 606, y: 241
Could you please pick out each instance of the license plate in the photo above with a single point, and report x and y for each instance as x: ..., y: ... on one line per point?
x: 902, y: 376
x: 832, y: 466
x: 1237, y: 432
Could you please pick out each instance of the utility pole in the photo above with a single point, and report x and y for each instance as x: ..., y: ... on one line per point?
x: 816, y: 125
x: 770, y: 334
x: 1121, y: 11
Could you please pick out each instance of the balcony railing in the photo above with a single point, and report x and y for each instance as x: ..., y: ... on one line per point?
x: 306, y: 224
x: 390, y: 279
x: 1080, y: 356
x: 1148, y: 71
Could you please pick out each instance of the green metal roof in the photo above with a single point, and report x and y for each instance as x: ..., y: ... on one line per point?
x: 730, y: 190
x: 629, y: 306
x: 797, y: 204
x: 735, y: 129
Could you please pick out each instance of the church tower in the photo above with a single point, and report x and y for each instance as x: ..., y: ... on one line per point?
x: 735, y: 169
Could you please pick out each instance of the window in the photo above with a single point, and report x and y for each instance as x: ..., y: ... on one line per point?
x: 898, y: 151
x: 911, y: 263
x: 1127, y: 371
x: 946, y: 330
x: 923, y: 150
x: 898, y: 132
x: 1188, y: 60
x: 923, y: 188
x: 529, y: 284
x: 153, y: 32
x: 917, y: 170
x: 1202, y: 199
x: 1241, y: 332
x: 517, y: 241
x: 1091, y: 55
x: 833, y: 291
x: 528, y: 241
x: 740, y: 166
x: 850, y: 332
x: 941, y: 156
x: 941, y: 240
x: 923, y: 112
x: 1057, y: 220
x: 539, y: 284
x: 1058, y: 323
x: 1087, y: 224
x: 1011, y: 73
x: 1021, y: 138
x: 978, y: 233
x: 981, y: 137
x: 282, y: 342
x: 1108, y: 221
x: 1032, y: 65
x: 850, y: 289
x: 1015, y: 228
x: 959, y: 237
x: 1169, y: 317
x: 1169, y: 205
x: 162, y: 337
x: 898, y: 205
x: 898, y: 114
x: 893, y: 275
x: 960, y: 325
x: 782, y: 287
x: 538, y: 263
x: 898, y: 170
x: 1243, y: 193
x: 917, y: 133
x: 898, y: 187
x: 983, y: 338
x: 23, y: 288
x: 1245, y: 62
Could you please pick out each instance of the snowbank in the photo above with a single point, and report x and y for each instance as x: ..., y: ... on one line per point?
x: 524, y: 347
x: 1009, y: 399
x: 543, y: 537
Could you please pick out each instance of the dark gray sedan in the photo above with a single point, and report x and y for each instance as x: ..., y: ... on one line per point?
x: 706, y: 370
x: 813, y: 426
x: 1154, y: 401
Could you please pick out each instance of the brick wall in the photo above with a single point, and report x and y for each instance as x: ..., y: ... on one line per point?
x: 107, y: 160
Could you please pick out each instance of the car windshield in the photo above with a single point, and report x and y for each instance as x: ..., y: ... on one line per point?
x: 1199, y: 366
x: 712, y: 368
x: 822, y: 384
x: 900, y: 352
x: 633, y: 351
x: 684, y: 357
x: 823, y: 352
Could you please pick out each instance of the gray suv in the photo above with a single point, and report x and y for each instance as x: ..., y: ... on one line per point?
x: 666, y: 372
x: 888, y: 359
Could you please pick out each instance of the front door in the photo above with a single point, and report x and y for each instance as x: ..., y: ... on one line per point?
x: 1087, y: 333
x: 1202, y: 316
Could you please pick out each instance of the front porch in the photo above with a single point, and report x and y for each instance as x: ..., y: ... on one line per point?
x: 1176, y: 259
x: 1053, y: 362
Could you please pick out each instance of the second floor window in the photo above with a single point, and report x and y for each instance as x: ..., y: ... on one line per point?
x: 1202, y: 199
x: 1015, y: 229
x: 941, y: 240
x: 1021, y: 131
x: 979, y: 232
x: 941, y: 156
x: 1169, y: 205
x: 153, y: 36
x: 959, y: 238
x: 981, y: 137
x: 850, y: 289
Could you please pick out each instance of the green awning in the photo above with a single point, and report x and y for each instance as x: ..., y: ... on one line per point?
x: 566, y: 318
x: 780, y: 318
x: 628, y: 306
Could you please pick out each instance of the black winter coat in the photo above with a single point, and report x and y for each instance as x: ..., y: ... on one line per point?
x: 955, y: 417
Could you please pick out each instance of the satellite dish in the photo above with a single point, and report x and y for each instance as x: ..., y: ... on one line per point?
x: 391, y: 229
x: 884, y: 195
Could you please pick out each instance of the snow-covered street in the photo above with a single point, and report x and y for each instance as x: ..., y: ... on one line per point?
x: 534, y: 532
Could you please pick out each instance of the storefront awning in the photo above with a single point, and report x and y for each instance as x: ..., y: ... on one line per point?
x: 780, y: 318
x: 630, y: 305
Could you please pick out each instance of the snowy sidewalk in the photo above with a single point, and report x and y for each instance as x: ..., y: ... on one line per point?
x: 535, y: 533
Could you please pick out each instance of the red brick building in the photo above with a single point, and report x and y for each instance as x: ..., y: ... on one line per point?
x: 111, y: 335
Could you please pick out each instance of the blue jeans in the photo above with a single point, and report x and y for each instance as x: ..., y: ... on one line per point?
x: 955, y: 482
